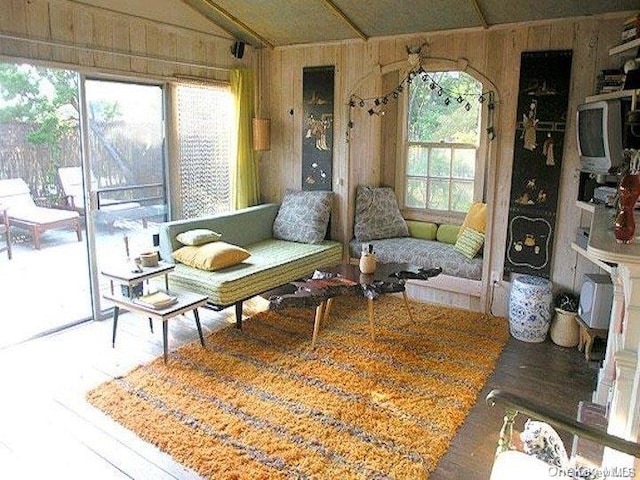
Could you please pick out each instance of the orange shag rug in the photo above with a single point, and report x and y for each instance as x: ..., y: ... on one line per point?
x: 259, y: 403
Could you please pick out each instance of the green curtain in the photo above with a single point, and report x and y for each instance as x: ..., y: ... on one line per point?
x: 244, y: 178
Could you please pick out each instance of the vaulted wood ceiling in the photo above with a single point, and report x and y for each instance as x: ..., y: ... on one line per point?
x: 290, y: 22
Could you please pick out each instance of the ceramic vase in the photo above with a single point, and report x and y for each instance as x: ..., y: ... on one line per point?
x: 530, y: 308
x: 368, y: 263
x: 628, y: 192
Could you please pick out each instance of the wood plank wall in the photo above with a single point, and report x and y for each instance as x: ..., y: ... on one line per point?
x: 155, y: 45
x: 368, y: 159
x: 159, y: 52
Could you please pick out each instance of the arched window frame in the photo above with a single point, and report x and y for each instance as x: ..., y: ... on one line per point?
x: 482, y: 151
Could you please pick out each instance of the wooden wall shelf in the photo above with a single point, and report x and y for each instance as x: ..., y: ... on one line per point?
x: 581, y: 251
x: 618, y: 49
x: 613, y: 95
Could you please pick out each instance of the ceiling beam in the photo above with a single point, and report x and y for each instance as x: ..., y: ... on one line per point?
x: 481, y: 16
x: 210, y: 7
x: 335, y: 9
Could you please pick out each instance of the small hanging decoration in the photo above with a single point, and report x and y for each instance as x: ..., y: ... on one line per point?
x: 375, y: 105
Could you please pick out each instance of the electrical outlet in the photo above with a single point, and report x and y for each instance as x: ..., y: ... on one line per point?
x: 495, y: 277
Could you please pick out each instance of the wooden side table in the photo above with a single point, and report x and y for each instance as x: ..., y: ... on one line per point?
x: 4, y: 219
x: 186, y: 302
x: 122, y: 274
x: 588, y: 335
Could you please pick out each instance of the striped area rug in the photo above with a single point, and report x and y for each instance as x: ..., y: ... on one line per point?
x: 259, y: 403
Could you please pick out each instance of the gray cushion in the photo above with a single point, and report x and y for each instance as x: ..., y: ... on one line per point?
x: 303, y: 216
x: 377, y: 214
x: 423, y: 253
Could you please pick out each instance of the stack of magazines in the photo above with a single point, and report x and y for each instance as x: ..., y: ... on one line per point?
x: 157, y: 300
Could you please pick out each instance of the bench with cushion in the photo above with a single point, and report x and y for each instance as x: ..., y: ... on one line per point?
x: 285, y: 243
x: 378, y: 222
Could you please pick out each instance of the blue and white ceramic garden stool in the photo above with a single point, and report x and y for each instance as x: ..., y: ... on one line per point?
x: 530, y: 308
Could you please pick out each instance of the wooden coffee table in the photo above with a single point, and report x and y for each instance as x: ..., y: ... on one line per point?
x: 345, y: 280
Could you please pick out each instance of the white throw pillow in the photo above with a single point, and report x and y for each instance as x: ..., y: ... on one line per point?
x: 198, y: 236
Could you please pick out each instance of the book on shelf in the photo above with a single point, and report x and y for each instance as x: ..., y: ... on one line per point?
x: 610, y: 80
x: 157, y: 300
x: 630, y: 29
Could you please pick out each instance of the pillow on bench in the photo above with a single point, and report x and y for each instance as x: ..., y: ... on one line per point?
x: 476, y: 218
x: 469, y: 242
x: 423, y: 230
x: 448, y: 233
x: 211, y: 256
x: 303, y: 216
x: 377, y: 214
x: 198, y: 236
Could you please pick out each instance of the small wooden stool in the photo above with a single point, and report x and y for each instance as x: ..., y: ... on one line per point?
x: 588, y: 335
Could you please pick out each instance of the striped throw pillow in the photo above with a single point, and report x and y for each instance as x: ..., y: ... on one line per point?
x: 469, y: 243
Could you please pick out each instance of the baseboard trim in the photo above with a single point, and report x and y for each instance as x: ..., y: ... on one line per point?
x: 452, y: 284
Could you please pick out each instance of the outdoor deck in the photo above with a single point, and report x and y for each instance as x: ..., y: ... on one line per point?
x: 43, y: 290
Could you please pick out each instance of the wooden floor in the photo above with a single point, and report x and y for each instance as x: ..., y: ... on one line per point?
x: 48, y: 431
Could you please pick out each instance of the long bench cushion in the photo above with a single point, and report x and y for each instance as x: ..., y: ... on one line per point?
x: 272, y: 263
x: 423, y: 253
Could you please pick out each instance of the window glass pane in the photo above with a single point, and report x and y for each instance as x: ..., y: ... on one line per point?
x: 417, y: 161
x: 464, y: 163
x: 444, y: 119
x: 432, y: 120
x: 416, y: 193
x: 440, y: 164
x: 461, y: 195
x: 439, y: 194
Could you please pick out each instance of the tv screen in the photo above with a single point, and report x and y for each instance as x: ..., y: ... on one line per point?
x: 599, y: 136
x: 590, y: 133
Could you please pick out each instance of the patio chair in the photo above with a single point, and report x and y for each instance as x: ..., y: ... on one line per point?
x: 4, y: 229
x: 24, y: 213
x: 109, y: 210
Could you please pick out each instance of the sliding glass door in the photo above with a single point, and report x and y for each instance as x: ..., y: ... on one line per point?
x: 44, y: 285
x: 82, y: 179
x: 124, y: 172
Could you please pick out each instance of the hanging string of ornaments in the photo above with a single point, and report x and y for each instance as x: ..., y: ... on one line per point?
x: 375, y: 105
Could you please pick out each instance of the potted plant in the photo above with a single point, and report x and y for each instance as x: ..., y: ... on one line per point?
x: 565, y: 330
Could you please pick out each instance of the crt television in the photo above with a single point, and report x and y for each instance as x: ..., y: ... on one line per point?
x: 596, y: 300
x: 599, y: 129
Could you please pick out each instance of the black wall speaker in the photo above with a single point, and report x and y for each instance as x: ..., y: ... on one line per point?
x: 237, y: 50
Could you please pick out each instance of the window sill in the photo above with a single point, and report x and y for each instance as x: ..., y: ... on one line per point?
x: 435, y: 216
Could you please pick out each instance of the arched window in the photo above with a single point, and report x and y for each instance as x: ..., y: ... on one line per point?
x: 442, y: 141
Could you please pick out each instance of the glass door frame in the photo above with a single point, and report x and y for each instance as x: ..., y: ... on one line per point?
x: 90, y: 201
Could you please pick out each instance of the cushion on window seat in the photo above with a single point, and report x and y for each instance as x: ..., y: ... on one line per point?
x: 377, y: 214
x: 424, y: 230
x: 448, y: 233
x: 423, y: 253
